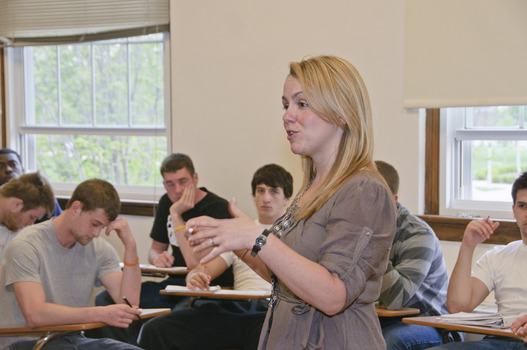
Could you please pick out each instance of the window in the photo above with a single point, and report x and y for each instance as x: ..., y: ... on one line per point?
x: 96, y: 109
x: 486, y: 150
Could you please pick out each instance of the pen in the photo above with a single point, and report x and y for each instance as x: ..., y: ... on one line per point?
x: 128, y: 303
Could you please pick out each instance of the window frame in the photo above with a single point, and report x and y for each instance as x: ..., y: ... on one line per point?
x: 452, y: 126
x: 15, y: 128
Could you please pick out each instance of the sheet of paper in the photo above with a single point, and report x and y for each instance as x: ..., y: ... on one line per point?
x: 174, y: 288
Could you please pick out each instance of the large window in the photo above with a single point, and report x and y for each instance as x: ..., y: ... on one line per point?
x: 93, y: 110
x: 485, y: 151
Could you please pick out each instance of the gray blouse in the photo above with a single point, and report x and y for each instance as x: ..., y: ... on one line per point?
x: 351, y: 236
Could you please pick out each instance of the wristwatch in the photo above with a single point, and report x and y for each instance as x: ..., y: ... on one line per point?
x: 260, y: 241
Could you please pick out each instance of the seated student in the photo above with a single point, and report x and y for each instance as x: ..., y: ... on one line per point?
x: 22, y: 201
x: 225, y: 324
x: 50, y: 270
x: 416, y: 276
x: 501, y: 269
x: 183, y: 200
x: 11, y: 168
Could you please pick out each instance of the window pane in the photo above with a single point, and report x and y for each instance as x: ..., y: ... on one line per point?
x: 146, y: 73
x: 111, y: 84
x: 76, y: 84
x: 495, y: 116
x: 122, y: 160
x: 149, y: 37
x: 495, y: 166
x: 45, y: 85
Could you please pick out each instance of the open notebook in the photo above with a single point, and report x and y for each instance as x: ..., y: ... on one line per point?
x: 496, y: 320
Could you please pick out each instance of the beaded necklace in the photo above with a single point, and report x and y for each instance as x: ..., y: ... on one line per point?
x: 285, y: 222
x: 288, y: 219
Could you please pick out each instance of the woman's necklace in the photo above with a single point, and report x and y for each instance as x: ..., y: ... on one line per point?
x: 278, y: 229
x: 288, y: 219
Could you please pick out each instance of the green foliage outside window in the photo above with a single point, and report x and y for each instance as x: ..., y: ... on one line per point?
x: 91, y: 87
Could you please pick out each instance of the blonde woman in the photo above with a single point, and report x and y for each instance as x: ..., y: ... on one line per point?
x: 327, y: 254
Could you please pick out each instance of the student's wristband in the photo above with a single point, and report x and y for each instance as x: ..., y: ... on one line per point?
x: 131, y: 264
x: 260, y: 241
x: 179, y: 228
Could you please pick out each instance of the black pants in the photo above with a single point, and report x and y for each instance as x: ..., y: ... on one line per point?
x: 208, y: 324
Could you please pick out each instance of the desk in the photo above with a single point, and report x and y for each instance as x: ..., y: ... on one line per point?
x: 405, y: 311
x: 433, y: 321
x: 237, y: 294
x: 48, y: 332
x: 220, y: 294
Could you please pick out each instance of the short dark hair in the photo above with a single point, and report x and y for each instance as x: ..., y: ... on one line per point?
x: 33, y: 189
x: 273, y: 175
x: 175, y: 162
x: 95, y: 194
x: 519, y: 184
x: 9, y: 150
x: 390, y: 175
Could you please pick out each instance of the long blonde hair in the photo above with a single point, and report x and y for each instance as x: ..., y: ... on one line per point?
x: 336, y: 92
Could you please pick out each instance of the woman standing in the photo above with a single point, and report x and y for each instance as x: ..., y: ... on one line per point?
x: 327, y: 254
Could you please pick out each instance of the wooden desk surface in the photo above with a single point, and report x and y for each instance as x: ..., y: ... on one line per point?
x: 405, y: 311
x: 433, y: 321
x: 8, y: 331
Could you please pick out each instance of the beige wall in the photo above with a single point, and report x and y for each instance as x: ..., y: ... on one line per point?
x: 229, y: 59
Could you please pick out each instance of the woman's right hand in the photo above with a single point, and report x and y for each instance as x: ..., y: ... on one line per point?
x: 226, y: 234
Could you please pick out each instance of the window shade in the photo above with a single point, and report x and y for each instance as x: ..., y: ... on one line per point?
x: 465, y: 53
x: 33, y: 22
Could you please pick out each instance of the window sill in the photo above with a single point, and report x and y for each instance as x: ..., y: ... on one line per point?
x: 128, y: 207
x: 449, y: 228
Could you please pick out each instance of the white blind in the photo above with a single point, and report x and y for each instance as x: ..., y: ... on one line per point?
x: 465, y: 53
x: 28, y: 22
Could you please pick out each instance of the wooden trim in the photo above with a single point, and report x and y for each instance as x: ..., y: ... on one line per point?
x: 432, y: 162
x: 3, y: 109
x: 452, y: 229
x: 138, y: 208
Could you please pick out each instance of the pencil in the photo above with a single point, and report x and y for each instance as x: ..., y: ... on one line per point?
x: 129, y: 304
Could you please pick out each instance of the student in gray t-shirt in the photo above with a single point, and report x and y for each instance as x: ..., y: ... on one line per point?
x: 51, y: 268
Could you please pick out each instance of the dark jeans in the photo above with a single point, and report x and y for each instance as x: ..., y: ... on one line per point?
x: 488, y: 343
x: 402, y: 336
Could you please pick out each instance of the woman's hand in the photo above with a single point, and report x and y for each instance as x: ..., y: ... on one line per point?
x: 226, y: 234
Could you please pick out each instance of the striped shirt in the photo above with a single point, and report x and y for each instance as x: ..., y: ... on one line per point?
x: 416, y: 275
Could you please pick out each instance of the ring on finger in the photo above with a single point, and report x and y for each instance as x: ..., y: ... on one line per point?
x: 212, y: 241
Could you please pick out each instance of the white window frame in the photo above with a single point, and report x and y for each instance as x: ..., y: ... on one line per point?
x: 16, y: 128
x: 453, y: 134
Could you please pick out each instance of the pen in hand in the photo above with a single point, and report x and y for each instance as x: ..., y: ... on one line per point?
x: 129, y: 304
